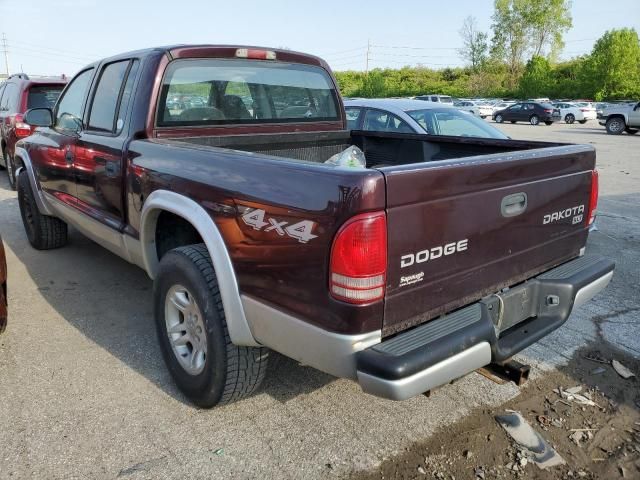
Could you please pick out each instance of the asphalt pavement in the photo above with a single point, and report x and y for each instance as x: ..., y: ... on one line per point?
x: 84, y: 392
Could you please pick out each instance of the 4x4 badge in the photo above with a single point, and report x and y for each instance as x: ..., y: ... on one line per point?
x: 301, y: 231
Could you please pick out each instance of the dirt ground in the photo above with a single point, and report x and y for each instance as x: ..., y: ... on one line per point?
x: 597, y: 442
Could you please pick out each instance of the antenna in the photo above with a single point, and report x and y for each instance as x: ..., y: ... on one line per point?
x: 6, y: 52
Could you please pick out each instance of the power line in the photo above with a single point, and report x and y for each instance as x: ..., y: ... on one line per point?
x: 343, y: 51
x: 413, y: 48
x: 61, y: 51
x: 49, y: 54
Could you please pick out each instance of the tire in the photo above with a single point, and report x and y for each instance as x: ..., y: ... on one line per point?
x: 615, y: 126
x: 206, y: 366
x: 498, y: 118
x: 534, y: 120
x: 631, y: 131
x: 10, y: 170
x: 44, y: 232
x: 569, y: 118
x: 582, y: 122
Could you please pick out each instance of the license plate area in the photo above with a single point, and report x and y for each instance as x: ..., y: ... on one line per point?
x: 513, y: 306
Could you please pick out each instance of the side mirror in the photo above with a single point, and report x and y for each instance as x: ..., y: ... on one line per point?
x: 39, y: 117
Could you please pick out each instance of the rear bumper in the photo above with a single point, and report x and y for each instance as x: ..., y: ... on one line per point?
x: 491, y: 330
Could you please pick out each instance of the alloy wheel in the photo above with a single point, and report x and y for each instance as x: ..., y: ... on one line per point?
x: 186, y: 329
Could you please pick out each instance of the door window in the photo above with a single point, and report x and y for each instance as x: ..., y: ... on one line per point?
x: 105, y: 100
x: 379, y: 121
x: 353, y: 117
x: 69, y: 111
x: 515, y: 108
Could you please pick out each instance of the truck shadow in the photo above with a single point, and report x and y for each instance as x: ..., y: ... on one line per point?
x: 110, y: 302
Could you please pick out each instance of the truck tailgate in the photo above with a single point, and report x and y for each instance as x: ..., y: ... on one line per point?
x: 459, y: 230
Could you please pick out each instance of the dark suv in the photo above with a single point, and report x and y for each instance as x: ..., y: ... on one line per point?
x: 532, y: 112
x: 17, y: 95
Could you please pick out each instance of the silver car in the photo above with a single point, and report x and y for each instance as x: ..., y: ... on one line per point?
x: 415, y: 116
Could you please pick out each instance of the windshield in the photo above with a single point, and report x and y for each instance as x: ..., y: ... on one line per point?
x: 218, y: 92
x: 448, y: 121
x: 445, y: 99
x: 43, y: 96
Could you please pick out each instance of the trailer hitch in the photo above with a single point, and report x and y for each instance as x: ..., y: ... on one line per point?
x: 510, y: 371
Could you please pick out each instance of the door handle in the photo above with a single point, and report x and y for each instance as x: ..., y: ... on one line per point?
x: 68, y: 156
x: 513, y: 205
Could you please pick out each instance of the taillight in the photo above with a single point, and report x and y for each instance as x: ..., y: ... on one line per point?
x: 548, y: 110
x: 358, y: 267
x: 593, y: 198
x: 22, y: 129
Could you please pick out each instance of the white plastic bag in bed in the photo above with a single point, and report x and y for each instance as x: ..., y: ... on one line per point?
x: 352, y: 157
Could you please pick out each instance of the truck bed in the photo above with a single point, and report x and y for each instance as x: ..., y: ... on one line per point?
x: 381, y: 149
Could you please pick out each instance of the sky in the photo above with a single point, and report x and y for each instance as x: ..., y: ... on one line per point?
x: 60, y: 36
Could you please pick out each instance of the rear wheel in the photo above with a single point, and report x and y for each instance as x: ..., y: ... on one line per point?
x: 569, y: 118
x: 10, y: 170
x: 44, y: 232
x: 192, y: 330
x: 534, y: 120
x: 615, y: 126
x: 499, y: 119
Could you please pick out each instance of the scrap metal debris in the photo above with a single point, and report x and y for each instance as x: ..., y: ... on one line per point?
x: 572, y: 395
x: 541, y: 452
x: 623, y: 371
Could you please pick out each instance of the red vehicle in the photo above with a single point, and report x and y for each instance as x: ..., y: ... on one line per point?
x: 437, y: 257
x: 3, y: 289
x: 18, y: 94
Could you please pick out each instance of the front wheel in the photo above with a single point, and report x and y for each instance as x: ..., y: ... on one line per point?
x: 499, y: 119
x: 192, y: 330
x: 534, y: 120
x: 44, y: 232
x: 569, y: 118
x: 615, y: 126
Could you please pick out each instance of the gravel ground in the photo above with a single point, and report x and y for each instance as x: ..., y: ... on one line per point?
x: 84, y: 392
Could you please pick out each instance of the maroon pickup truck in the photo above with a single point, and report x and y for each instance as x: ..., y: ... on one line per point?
x: 206, y: 166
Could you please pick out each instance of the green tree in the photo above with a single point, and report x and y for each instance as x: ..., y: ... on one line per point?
x: 510, y: 40
x: 373, y: 85
x: 547, y: 21
x: 613, y: 68
x: 475, y: 45
x: 536, y: 80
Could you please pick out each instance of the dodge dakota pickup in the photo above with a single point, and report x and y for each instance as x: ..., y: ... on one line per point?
x: 207, y: 167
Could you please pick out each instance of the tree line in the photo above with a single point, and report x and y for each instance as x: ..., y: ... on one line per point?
x: 518, y: 59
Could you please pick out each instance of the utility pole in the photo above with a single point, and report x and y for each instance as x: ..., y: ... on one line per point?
x: 6, y: 53
x: 368, y: 52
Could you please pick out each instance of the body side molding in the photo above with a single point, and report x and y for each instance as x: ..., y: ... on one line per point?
x: 163, y: 200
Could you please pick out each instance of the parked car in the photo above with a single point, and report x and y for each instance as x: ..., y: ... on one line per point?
x: 481, y: 110
x: 435, y: 98
x: 395, y: 276
x: 18, y: 94
x: 500, y: 106
x: 621, y: 118
x: 572, y: 112
x: 531, y: 112
x: 3, y: 289
x: 415, y: 116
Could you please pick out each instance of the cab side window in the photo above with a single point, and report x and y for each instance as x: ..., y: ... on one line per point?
x: 68, y: 116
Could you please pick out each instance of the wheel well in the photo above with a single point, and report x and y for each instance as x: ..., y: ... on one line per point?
x: 173, y: 231
x: 616, y: 115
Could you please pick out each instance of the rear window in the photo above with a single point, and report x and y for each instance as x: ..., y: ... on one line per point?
x: 43, y: 96
x: 219, y: 92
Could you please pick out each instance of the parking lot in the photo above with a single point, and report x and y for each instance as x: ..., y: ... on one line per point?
x: 84, y: 392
